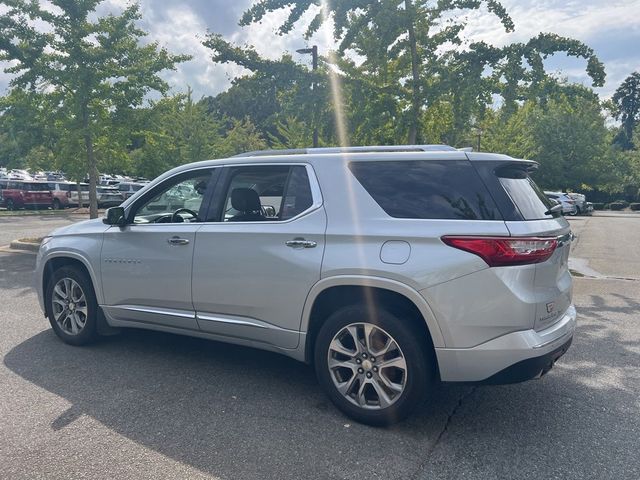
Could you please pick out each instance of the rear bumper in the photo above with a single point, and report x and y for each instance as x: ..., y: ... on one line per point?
x: 514, y: 357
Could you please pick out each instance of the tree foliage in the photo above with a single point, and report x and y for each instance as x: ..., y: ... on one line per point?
x: 405, y: 70
x: 626, y: 101
x: 413, y: 56
x: 96, y: 67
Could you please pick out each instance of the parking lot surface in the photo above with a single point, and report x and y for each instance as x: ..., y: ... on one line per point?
x: 151, y: 405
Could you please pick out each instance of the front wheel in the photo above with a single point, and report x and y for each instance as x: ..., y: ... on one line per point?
x: 71, y: 306
x: 373, y: 365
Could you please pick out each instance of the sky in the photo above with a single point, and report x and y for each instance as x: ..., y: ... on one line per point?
x: 611, y: 28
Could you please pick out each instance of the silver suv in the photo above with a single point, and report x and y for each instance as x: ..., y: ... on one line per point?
x: 385, y: 267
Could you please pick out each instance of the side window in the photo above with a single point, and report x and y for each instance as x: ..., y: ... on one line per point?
x: 427, y: 189
x: 266, y: 193
x: 177, y: 200
x: 298, y: 197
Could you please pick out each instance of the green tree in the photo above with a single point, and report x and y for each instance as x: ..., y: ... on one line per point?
x: 274, y: 92
x: 408, y: 39
x: 173, y: 131
x: 626, y: 101
x: 95, y: 66
x: 568, y: 137
x: 26, y: 124
x: 242, y: 137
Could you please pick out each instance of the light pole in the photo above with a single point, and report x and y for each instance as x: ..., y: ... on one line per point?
x: 314, y: 62
x: 479, y: 133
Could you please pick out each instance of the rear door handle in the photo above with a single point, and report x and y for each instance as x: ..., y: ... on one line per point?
x: 300, y: 243
x: 178, y: 241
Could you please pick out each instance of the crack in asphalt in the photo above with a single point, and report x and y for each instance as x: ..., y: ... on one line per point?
x: 443, y: 430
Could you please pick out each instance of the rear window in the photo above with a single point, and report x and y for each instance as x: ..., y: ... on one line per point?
x: 425, y: 189
x: 525, y: 194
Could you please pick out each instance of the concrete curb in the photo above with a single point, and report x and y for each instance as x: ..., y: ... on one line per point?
x: 20, y: 245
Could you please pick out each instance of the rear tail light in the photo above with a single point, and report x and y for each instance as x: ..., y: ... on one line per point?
x: 506, y: 251
x: 68, y: 194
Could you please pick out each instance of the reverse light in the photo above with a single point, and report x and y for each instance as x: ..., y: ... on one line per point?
x: 506, y: 251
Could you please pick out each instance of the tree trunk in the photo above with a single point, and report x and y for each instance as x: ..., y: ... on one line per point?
x: 414, y: 125
x: 91, y: 164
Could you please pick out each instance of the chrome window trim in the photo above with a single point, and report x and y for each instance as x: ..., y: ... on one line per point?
x: 316, y: 193
x: 313, y: 183
x: 128, y: 208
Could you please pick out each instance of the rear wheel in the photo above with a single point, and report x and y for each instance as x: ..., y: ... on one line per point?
x: 10, y: 205
x: 71, y: 306
x: 373, y: 365
x: 56, y: 205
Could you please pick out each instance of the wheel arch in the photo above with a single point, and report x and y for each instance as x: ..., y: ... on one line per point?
x: 332, y: 293
x: 63, y: 259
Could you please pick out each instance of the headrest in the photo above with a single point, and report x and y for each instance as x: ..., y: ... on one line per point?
x: 245, y: 200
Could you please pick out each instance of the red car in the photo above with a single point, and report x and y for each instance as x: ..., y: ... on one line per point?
x: 19, y: 194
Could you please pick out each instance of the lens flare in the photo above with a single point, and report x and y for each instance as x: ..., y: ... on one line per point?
x: 335, y: 85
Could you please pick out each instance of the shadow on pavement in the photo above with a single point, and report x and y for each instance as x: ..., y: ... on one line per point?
x: 229, y: 411
x: 235, y: 412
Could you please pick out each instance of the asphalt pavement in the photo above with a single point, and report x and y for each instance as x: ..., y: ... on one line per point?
x: 151, y: 405
x: 20, y: 226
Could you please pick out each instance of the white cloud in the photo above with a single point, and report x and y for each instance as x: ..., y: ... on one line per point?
x: 181, y: 25
x: 594, y: 22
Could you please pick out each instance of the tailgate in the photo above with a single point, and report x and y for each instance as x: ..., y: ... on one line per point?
x: 552, y: 282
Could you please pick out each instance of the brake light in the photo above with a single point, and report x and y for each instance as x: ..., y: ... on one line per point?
x: 68, y: 194
x: 506, y: 251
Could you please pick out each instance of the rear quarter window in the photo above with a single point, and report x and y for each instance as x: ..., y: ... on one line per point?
x: 427, y: 189
x: 532, y: 203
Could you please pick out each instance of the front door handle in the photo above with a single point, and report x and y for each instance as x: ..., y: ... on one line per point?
x: 178, y: 241
x: 300, y: 243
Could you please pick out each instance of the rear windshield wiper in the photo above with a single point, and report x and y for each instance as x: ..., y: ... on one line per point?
x: 555, y: 209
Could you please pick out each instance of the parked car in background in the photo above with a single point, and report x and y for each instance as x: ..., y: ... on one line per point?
x: 127, y: 189
x: 108, y: 196
x: 581, y: 202
x: 61, y: 193
x: 80, y: 199
x: 568, y: 204
x: 17, y: 174
x: 19, y: 194
x: 588, y: 208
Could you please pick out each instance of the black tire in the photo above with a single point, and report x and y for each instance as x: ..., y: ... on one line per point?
x: 89, y: 333
x: 56, y: 205
x: 10, y: 205
x: 419, y: 373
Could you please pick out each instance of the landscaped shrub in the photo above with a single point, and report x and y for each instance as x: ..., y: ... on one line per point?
x: 623, y: 202
x: 617, y: 206
x: 634, y: 206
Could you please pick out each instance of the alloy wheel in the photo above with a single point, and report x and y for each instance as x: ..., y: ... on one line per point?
x: 69, y: 306
x: 367, y: 366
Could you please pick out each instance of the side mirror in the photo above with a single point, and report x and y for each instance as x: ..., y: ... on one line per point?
x: 114, y: 216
